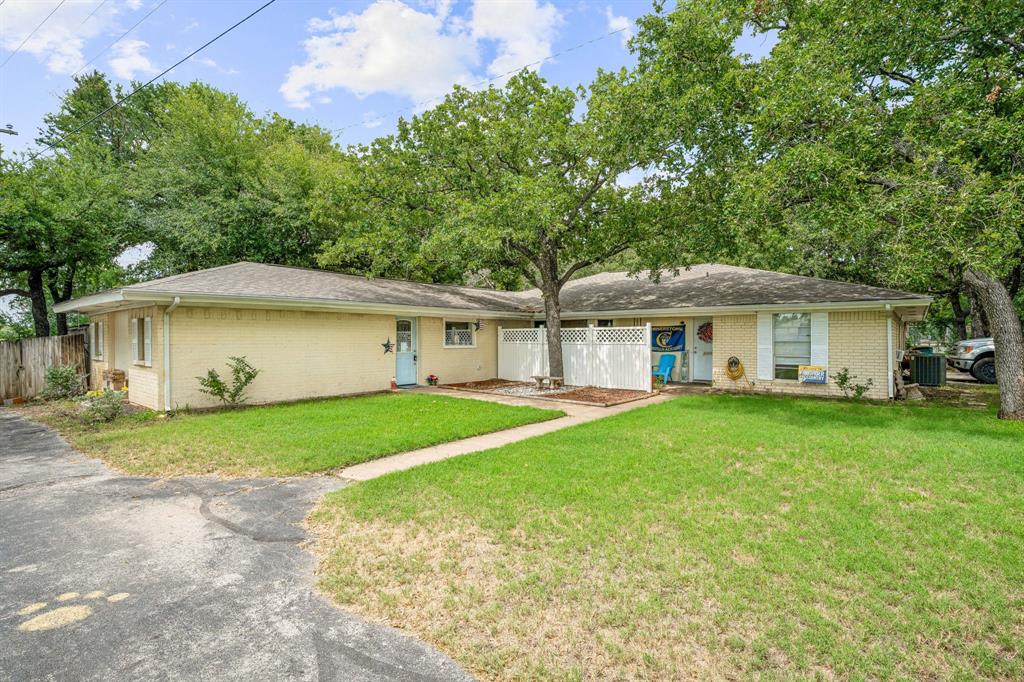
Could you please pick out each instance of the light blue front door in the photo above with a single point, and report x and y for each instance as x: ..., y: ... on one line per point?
x: 405, y: 351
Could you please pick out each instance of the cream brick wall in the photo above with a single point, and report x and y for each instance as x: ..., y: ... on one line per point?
x: 456, y: 365
x: 856, y: 339
x: 143, y: 382
x: 299, y: 354
x: 144, y: 387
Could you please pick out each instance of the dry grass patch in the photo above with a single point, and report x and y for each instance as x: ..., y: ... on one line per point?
x: 709, y: 537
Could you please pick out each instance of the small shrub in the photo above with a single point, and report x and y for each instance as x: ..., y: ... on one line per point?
x: 105, y: 406
x: 847, y: 384
x: 62, y: 382
x: 242, y: 374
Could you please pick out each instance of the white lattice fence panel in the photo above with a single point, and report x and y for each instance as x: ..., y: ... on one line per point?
x: 526, y: 335
x: 628, y: 335
x: 575, y: 335
x: 609, y: 357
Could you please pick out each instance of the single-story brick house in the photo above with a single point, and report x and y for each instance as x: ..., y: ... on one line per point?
x: 317, y: 333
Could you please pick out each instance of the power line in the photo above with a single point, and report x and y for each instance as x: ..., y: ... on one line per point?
x: 134, y: 26
x: 94, y: 11
x: 156, y: 77
x: 417, y: 105
x: 32, y: 33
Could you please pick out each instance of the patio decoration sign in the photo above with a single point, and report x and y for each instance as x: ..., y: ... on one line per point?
x: 812, y: 374
x: 668, y: 339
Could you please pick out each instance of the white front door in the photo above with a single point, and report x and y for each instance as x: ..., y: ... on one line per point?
x: 405, y: 351
x: 702, y: 348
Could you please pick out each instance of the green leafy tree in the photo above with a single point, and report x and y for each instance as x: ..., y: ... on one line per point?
x: 878, y: 142
x: 517, y: 184
x: 219, y: 185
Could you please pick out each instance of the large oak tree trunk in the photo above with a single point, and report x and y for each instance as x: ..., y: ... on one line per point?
x: 59, y: 293
x: 553, y: 329
x: 37, y: 293
x: 959, y: 315
x: 979, y: 321
x: 1006, y: 330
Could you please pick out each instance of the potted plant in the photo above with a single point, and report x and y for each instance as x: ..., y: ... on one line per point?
x: 432, y: 379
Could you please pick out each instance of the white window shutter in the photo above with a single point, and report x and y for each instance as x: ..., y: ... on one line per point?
x: 149, y: 340
x: 134, y: 324
x: 819, y: 340
x: 765, y: 348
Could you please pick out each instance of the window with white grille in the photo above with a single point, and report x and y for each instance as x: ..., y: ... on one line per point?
x: 459, y: 334
x: 403, y: 336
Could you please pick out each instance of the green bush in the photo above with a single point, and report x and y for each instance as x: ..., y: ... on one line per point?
x: 107, y: 406
x: 242, y: 374
x: 847, y: 384
x: 62, y: 382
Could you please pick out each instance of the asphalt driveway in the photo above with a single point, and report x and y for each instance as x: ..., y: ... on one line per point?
x: 108, y: 577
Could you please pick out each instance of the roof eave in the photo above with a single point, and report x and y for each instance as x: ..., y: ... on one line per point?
x: 107, y: 301
x: 748, y: 308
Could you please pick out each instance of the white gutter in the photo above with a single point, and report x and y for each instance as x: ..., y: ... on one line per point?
x: 167, y: 352
x: 752, y: 308
x: 277, y: 302
x: 889, y: 356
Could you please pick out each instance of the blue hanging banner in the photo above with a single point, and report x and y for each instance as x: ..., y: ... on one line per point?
x: 668, y: 339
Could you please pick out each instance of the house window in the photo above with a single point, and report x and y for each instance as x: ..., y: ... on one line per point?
x: 141, y: 329
x: 96, y: 340
x: 792, y: 343
x: 606, y: 323
x: 458, y: 334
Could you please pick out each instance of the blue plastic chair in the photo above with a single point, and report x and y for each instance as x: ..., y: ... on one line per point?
x: 665, y: 365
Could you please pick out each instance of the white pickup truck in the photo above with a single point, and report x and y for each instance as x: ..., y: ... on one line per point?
x: 976, y: 356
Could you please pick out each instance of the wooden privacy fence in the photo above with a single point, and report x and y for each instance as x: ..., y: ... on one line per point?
x: 23, y: 363
x: 609, y: 357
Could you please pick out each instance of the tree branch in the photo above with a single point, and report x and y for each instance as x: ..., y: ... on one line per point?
x: 897, y: 76
x: 885, y: 183
x: 618, y: 248
x: 15, y: 292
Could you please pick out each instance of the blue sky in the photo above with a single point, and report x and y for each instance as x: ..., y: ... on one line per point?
x: 355, y: 65
x: 338, y: 64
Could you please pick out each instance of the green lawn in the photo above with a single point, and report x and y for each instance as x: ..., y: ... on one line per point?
x: 293, y: 438
x: 707, y: 537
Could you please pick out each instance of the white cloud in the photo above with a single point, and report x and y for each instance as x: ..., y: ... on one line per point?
x: 128, y: 59
x: 60, y: 41
x: 619, y: 23
x: 419, y: 53
x: 524, y: 30
x: 372, y: 120
x: 206, y: 61
x: 390, y: 47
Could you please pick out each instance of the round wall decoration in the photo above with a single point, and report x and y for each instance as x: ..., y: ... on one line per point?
x: 706, y: 332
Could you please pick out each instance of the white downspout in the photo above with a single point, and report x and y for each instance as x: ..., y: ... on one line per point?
x: 167, y: 352
x: 888, y: 348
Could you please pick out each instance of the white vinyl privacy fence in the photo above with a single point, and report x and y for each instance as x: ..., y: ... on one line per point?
x: 609, y: 357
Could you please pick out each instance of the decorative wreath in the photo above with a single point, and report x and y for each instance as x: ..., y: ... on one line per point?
x: 706, y: 332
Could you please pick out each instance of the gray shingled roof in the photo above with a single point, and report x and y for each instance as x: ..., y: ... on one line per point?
x: 700, y: 286
x: 276, y: 281
x: 712, y: 285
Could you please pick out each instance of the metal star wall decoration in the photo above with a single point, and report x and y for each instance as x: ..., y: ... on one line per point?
x: 478, y: 325
x: 388, y: 346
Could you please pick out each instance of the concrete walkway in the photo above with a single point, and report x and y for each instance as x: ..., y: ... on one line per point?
x: 574, y: 414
